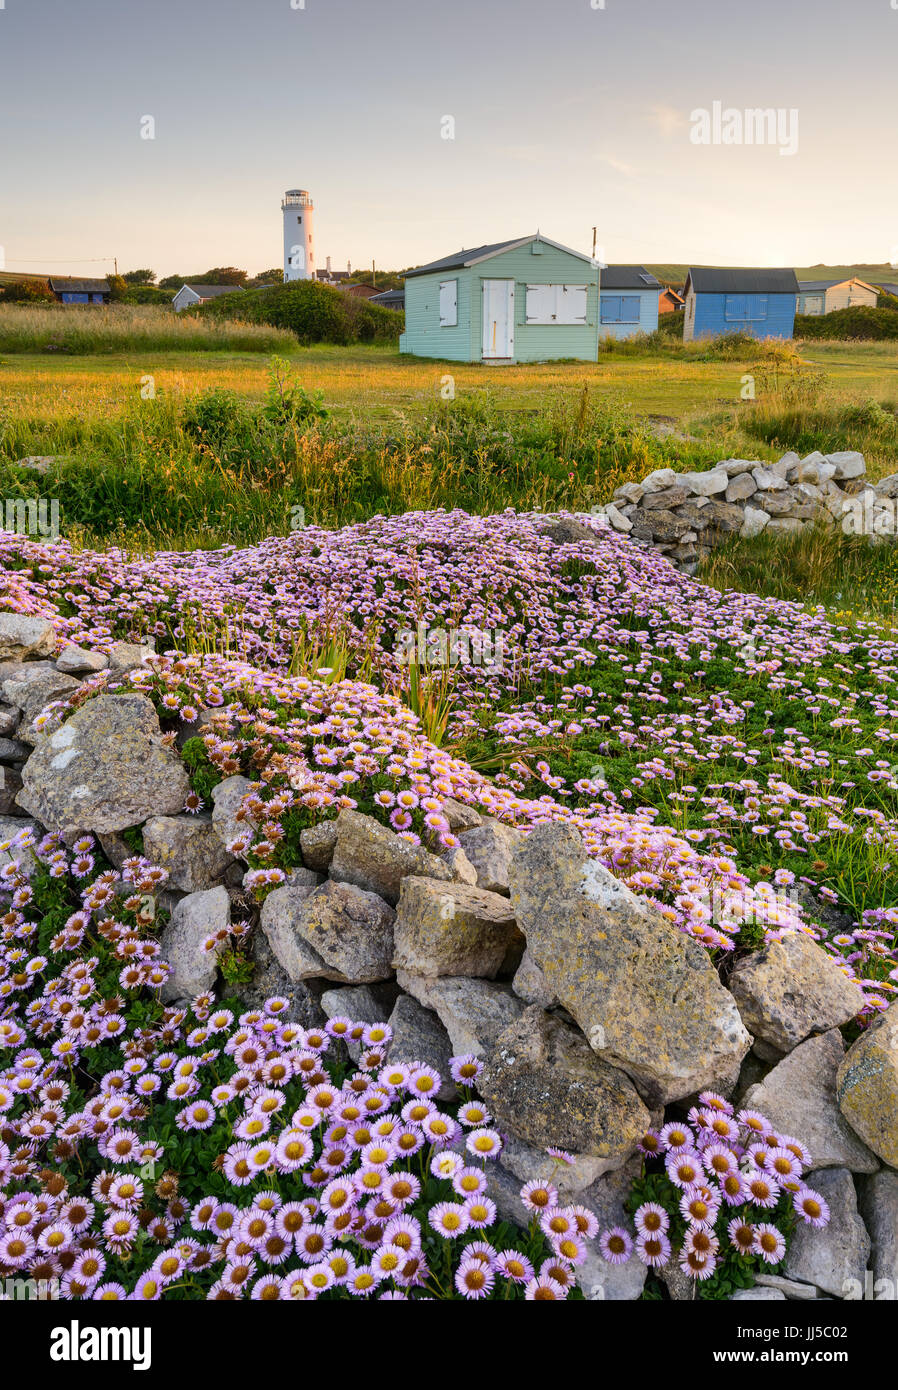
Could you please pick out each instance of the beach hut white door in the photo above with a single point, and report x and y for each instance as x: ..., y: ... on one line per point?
x: 498, y: 320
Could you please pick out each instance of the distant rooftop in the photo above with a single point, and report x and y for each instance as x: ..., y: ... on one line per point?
x: 210, y: 291
x: 67, y: 284
x: 628, y: 277
x: 742, y: 280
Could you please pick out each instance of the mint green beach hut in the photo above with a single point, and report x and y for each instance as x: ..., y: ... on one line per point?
x: 529, y: 300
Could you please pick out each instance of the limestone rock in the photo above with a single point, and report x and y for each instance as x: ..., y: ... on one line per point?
x: 792, y: 1289
x: 39, y: 463
x: 847, y: 464
x: 756, y: 518
x: 758, y: 1294
x: 24, y: 637
x: 779, y: 504
x: 193, y: 919
x: 740, y: 488
x: 419, y: 1036
x: 658, y: 480
x: 188, y: 847
x: 724, y: 517
x: 568, y: 531
x: 660, y: 526
x: 116, y: 848
x: 460, y: 866
x: 528, y: 1163
x: 618, y: 519
x: 78, y: 661
x: 34, y: 690
x: 791, y: 989
x: 13, y: 750
x: 335, y: 932
x: 631, y: 492
x: 361, y: 1003
x: 269, y: 978
x: 105, y: 769
x: 451, y: 929
x: 799, y: 1098
x: 816, y: 472
x: 696, y: 514
x: 681, y: 1287
x: 879, y: 1209
x: 473, y: 1012
x: 460, y: 816
x: 370, y: 856
x: 544, y: 1083
x: 734, y: 467
x: 705, y: 484
x: 530, y: 984
x: 667, y: 498
x: 767, y: 480
x: 867, y: 1086
x: 645, y: 994
x: 317, y: 843
x: 10, y: 826
x: 10, y: 786
x: 227, y: 799
x: 489, y: 848
x: 834, y: 1257
x: 125, y: 656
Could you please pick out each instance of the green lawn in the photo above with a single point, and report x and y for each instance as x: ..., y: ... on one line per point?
x: 550, y: 436
x: 373, y: 382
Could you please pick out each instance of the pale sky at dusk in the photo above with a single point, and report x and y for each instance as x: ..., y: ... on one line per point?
x: 565, y: 117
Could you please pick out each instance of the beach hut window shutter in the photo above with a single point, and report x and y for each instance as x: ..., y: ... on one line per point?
x: 448, y: 303
x: 556, y: 304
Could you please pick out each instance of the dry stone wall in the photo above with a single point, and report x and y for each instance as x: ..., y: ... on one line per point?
x: 687, y: 515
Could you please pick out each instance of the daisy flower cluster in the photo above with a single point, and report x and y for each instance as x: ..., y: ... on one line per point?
x: 715, y: 750
x: 208, y: 1152
x: 315, y: 748
x: 719, y: 1187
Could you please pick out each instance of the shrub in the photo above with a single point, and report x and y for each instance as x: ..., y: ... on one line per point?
x: 288, y: 403
x: 860, y: 321
x: 27, y: 292
x: 218, y: 418
x: 672, y: 324
x: 314, y: 313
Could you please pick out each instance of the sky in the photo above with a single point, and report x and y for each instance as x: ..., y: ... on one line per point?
x: 564, y: 115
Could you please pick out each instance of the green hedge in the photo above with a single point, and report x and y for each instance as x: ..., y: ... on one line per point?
x: 315, y: 313
x: 861, y: 321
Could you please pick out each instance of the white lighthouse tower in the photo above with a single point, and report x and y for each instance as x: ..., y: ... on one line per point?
x: 299, y: 248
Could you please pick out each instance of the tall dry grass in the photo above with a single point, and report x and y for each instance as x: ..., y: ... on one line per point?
x: 95, y: 328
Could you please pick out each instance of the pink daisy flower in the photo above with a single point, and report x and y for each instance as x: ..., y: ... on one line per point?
x: 616, y: 1245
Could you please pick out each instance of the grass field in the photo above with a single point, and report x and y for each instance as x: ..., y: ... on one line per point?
x: 131, y: 468
x: 378, y: 382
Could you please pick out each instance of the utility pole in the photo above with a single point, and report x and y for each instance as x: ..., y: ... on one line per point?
x: 594, y: 230
x: 373, y: 276
x: 115, y: 263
